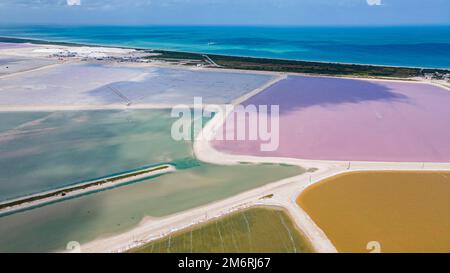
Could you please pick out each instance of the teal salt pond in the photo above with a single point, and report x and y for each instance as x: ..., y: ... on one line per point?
x: 52, y: 149
x: 44, y: 151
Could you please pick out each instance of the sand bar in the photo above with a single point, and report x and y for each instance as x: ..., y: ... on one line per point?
x: 27, y: 202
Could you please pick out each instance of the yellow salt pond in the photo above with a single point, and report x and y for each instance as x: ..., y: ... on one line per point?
x: 385, y: 211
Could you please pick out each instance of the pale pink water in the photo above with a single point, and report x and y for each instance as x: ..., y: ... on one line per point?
x: 13, y: 45
x: 342, y: 119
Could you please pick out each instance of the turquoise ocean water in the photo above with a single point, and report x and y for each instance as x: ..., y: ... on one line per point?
x: 419, y: 46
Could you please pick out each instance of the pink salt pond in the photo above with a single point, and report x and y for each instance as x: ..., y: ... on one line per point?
x: 355, y: 120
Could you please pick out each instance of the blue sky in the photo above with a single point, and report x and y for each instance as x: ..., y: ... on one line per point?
x: 226, y: 12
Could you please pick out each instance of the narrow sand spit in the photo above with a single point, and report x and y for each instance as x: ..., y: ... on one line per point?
x: 28, y: 202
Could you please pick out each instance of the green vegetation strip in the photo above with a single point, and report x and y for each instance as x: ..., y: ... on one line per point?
x: 260, y: 230
x: 290, y: 66
x: 265, y: 64
x: 64, y: 192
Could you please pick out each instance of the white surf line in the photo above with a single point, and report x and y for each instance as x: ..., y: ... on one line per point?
x: 43, y: 198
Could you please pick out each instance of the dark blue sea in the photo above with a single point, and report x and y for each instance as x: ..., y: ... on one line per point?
x: 418, y: 46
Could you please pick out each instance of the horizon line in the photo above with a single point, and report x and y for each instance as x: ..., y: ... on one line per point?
x: 222, y: 25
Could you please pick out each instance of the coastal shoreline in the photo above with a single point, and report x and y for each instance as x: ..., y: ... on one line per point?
x: 10, y: 39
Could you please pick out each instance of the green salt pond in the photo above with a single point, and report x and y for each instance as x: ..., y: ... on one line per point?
x: 260, y: 230
x: 71, y: 146
x: 105, y: 213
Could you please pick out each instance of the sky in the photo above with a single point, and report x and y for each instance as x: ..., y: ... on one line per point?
x: 226, y: 12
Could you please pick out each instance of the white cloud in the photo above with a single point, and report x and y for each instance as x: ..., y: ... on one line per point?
x: 74, y: 2
x: 374, y: 2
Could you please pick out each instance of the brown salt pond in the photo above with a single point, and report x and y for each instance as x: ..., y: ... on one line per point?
x: 402, y: 211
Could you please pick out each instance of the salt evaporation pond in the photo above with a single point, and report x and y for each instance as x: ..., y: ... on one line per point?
x: 95, y: 84
x: 44, y: 151
x: 359, y: 120
x: 400, y: 211
x: 110, y: 212
x: 40, y: 151
x: 260, y: 230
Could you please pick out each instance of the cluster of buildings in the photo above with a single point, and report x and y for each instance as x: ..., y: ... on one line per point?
x: 121, y: 55
x: 438, y: 76
x: 100, y: 54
